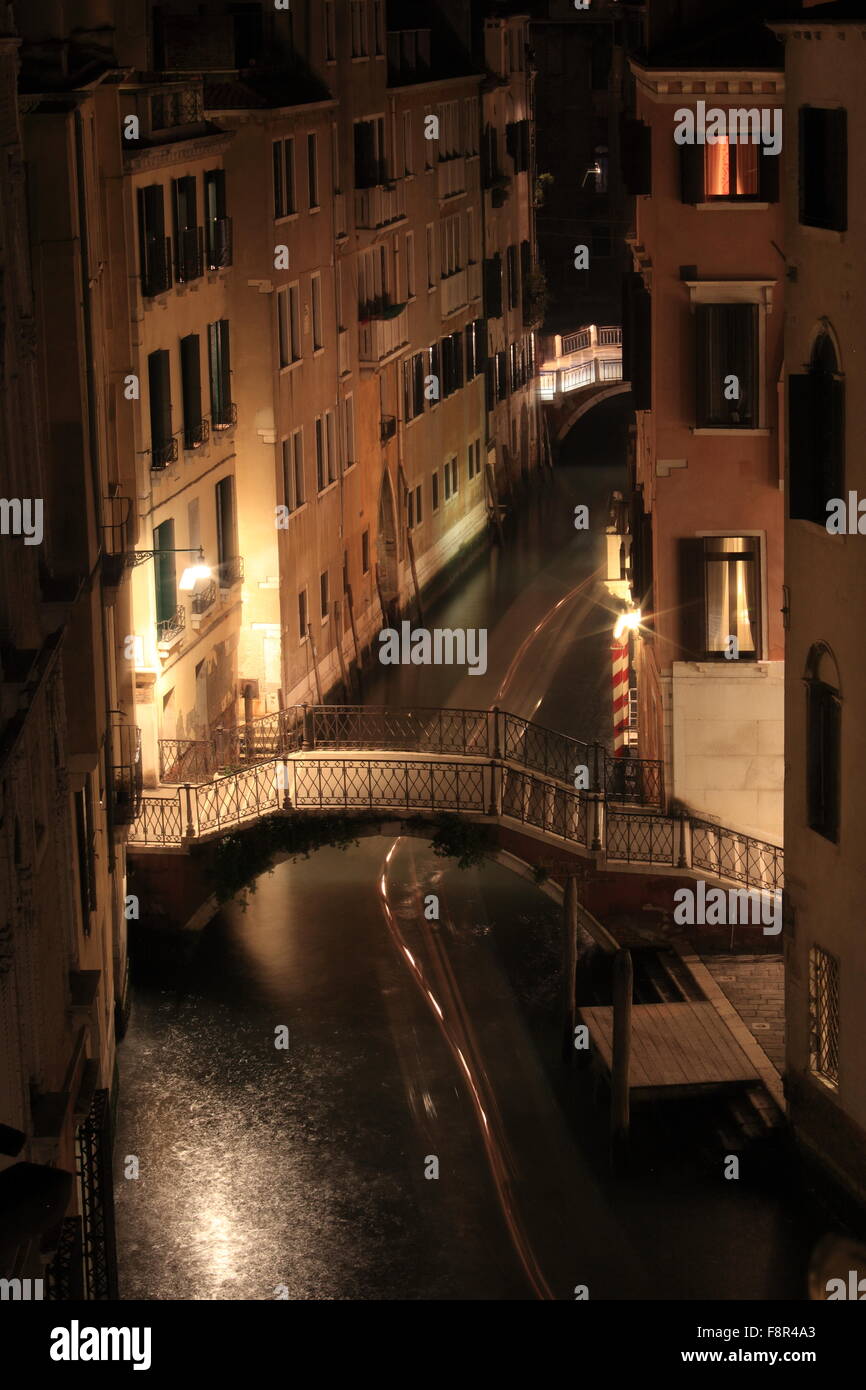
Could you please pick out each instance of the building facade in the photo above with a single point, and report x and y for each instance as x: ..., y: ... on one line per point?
x: 825, y: 577
x: 702, y: 348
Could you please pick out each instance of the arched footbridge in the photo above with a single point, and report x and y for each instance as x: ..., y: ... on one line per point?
x: 487, y: 765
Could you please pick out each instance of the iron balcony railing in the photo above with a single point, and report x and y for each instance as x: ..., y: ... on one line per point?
x: 230, y: 572
x: 189, y: 255
x: 162, y: 454
x: 156, y: 276
x: 224, y: 416
x: 218, y: 243
x: 204, y: 598
x: 197, y: 435
x: 126, y: 772
x: 170, y: 628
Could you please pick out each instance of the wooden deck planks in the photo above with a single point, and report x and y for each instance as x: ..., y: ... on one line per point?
x: 673, y: 1045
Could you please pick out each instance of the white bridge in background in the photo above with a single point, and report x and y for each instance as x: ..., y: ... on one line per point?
x: 592, y: 356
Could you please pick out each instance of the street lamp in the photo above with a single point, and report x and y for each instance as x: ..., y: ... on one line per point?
x: 627, y: 622
x: 191, y: 575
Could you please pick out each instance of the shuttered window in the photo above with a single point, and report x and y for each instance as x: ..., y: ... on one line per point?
x: 493, y: 286
x: 190, y: 371
x: 823, y: 167
x: 635, y: 143
x: 637, y: 340
x: 159, y: 384
x: 823, y: 759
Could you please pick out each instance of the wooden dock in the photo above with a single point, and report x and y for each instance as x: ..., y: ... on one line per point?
x: 676, y: 1049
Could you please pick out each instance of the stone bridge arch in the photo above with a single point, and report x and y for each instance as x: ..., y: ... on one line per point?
x: 565, y: 413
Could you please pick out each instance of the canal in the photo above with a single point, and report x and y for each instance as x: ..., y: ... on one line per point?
x: 414, y: 1135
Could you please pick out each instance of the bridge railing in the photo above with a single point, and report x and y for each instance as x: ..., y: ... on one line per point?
x: 414, y: 729
x: 490, y: 787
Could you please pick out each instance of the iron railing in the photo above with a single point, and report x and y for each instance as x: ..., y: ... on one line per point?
x: 127, y: 772
x: 421, y: 730
x: 197, y: 434
x: 728, y: 854
x: 543, y: 750
x: 479, y: 787
x: 169, y: 628
x: 204, y: 598
x: 230, y: 572
x: 156, y: 277
x: 93, y: 1147
x: 224, y: 416
x: 164, y: 453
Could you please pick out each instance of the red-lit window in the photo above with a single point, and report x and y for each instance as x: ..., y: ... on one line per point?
x: 731, y: 171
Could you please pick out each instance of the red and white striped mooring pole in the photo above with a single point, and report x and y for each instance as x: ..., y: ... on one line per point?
x: 625, y: 623
x: 619, y: 668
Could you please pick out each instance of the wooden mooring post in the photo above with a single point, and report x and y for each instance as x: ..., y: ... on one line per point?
x: 622, y: 989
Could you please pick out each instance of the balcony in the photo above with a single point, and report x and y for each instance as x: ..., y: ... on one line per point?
x: 189, y: 255
x: 126, y: 772
x: 156, y: 277
x: 224, y: 416
x: 161, y: 455
x: 196, y: 435
x: 379, y: 205
x: 169, y: 630
x: 451, y: 177
x: 202, y: 601
x: 218, y: 243
x: 229, y: 573
x: 378, y: 337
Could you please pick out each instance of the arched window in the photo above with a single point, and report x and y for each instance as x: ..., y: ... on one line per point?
x: 823, y: 741
x: 816, y: 434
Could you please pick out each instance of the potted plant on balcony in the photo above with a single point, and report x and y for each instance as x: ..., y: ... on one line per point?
x: 534, y: 297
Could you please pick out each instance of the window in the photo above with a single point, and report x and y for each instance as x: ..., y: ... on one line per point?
x: 447, y: 476
x: 313, y: 170
x: 726, y: 366
x: 450, y: 136
x: 513, y: 280
x: 163, y: 448
x: 371, y: 166
x: 154, y: 246
x: 413, y: 386
x: 414, y: 511
x: 434, y: 491
x: 727, y: 172
x: 302, y: 615
x: 349, y: 431
x: 326, y: 472
x: 450, y: 245
x: 365, y: 552
x: 720, y: 597
x: 195, y: 430
x: 471, y: 247
x: 431, y: 257
x: 330, y: 32
x: 474, y: 334
x: 293, y: 471
x: 452, y: 363
x: 823, y: 743
x: 816, y: 435
x: 358, y: 19
x: 323, y: 596
x: 222, y: 410
x: 316, y: 298
x: 410, y: 265
x: 824, y: 167
x: 226, y: 520
x: 379, y: 27
x: 217, y: 226
x: 188, y: 235
x: 824, y: 1015
x: 470, y: 124
x: 284, y: 177
x: 289, y: 325
x: 493, y: 286
x: 165, y: 579
x: 474, y: 460
x: 455, y: 477
x: 408, y: 145
x: 501, y: 375
x: 517, y: 144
